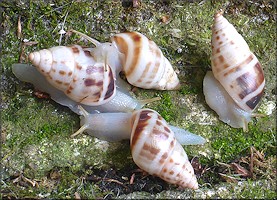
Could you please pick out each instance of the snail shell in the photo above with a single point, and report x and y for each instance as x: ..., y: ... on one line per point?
x: 121, y: 102
x: 144, y: 63
x: 237, y: 70
x: 155, y: 147
x: 139, y: 58
x: 74, y: 71
x: 155, y: 150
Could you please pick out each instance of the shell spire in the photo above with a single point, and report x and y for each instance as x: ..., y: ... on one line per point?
x: 156, y: 150
x: 235, y: 66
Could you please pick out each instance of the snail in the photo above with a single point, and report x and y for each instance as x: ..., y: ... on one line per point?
x: 155, y: 145
x: 75, y: 72
x: 121, y: 102
x: 236, y: 84
x: 141, y: 60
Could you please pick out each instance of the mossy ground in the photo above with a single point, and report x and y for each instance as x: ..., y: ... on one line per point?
x: 40, y: 160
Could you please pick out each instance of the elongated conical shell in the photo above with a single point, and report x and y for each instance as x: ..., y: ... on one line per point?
x: 143, y: 62
x: 235, y: 66
x: 75, y: 72
x: 155, y: 150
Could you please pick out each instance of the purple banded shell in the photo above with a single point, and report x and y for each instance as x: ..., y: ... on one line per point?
x: 235, y: 66
x: 156, y: 150
x: 144, y: 63
x: 74, y: 71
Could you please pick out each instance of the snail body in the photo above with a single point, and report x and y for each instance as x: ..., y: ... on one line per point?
x: 238, y: 72
x: 74, y: 71
x: 121, y: 102
x: 141, y: 60
x: 154, y: 146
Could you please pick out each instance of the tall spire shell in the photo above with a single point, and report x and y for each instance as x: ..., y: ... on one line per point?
x: 155, y: 149
x: 235, y: 66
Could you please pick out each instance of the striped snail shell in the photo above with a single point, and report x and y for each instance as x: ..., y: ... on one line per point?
x: 143, y: 62
x: 155, y: 150
x: 155, y: 145
x: 139, y: 58
x: 237, y: 70
x: 74, y: 71
x: 121, y: 102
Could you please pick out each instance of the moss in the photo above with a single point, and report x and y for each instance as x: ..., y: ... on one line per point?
x: 35, y: 132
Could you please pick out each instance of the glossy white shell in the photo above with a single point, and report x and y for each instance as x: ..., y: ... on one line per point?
x: 74, y: 71
x: 138, y: 57
x: 121, y: 102
x: 156, y: 150
x: 143, y: 62
x: 235, y: 66
x: 237, y: 83
x: 155, y: 147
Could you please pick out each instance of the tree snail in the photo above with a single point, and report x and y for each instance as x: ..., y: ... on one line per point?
x: 155, y: 147
x: 121, y: 102
x: 142, y: 61
x: 236, y: 85
x: 75, y: 72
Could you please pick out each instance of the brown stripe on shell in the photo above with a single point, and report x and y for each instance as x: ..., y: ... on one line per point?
x: 158, y: 122
x: 69, y: 89
x: 172, y: 143
x: 99, y: 83
x: 136, y: 54
x: 142, y: 122
x: 158, y: 57
x: 94, y: 69
x: 240, y: 66
x: 158, y: 60
x: 111, y: 89
x: 167, y: 129
x: 75, y: 49
x: 87, y: 53
x: 151, y: 149
x: 89, y: 82
x: 145, y: 71
x: 121, y: 44
x: 78, y: 67
x: 97, y: 95
x: 61, y: 72
x: 162, y: 135
x: 221, y: 59
x: 58, y: 81
x: 252, y: 103
x: 249, y: 82
x: 164, y: 157
x: 147, y: 155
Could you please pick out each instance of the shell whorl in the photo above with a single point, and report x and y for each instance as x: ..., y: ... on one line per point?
x: 143, y: 62
x: 156, y: 150
x: 235, y: 66
x: 75, y: 72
